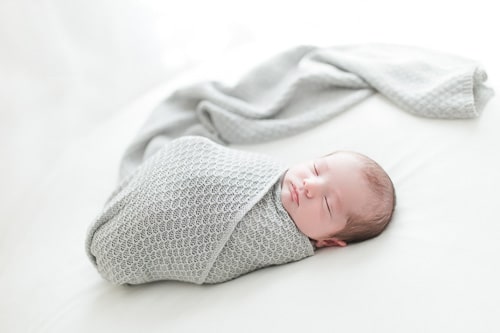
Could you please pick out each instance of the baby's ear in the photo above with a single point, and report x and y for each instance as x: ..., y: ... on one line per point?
x: 330, y: 242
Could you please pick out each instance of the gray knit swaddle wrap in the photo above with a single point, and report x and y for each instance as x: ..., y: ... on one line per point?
x: 265, y: 236
x: 182, y: 206
x: 175, y: 215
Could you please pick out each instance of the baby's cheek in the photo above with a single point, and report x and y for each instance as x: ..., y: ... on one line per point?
x: 311, y: 211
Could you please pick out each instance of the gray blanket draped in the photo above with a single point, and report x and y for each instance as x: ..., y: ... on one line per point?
x: 305, y: 86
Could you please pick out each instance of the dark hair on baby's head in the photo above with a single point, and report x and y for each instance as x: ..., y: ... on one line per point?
x: 377, y: 216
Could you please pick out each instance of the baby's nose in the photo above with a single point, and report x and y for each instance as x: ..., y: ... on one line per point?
x: 310, y: 187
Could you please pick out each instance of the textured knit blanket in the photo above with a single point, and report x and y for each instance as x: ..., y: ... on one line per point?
x: 306, y: 86
x: 195, y: 211
x: 198, y: 212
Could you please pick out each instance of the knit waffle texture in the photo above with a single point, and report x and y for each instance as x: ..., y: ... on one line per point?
x: 266, y: 236
x: 175, y: 218
x: 306, y: 86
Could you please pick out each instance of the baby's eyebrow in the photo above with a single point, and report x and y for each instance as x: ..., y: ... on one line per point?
x: 323, y: 166
x: 327, y: 167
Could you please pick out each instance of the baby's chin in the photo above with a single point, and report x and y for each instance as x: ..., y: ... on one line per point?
x: 286, y: 199
x: 285, y: 174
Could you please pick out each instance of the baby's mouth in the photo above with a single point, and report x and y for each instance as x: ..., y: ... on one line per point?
x: 295, y: 194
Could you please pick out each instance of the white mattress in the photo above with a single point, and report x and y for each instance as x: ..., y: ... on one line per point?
x: 434, y: 270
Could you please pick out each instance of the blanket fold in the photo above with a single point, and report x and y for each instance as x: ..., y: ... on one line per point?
x: 307, y: 85
x: 265, y: 236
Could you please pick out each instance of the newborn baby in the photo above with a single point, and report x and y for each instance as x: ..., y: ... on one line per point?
x: 200, y: 212
x: 340, y: 198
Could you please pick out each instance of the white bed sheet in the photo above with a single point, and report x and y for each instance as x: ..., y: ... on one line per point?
x: 434, y: 269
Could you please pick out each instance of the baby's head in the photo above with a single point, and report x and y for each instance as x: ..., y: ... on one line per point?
x: 340, y: 198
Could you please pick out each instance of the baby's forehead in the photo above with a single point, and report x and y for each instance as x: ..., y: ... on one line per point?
x: 346, y: 160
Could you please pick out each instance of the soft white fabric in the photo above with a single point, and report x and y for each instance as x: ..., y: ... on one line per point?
x: 434, y: 270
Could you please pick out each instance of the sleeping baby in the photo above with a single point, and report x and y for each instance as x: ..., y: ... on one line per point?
x: 200, y: 212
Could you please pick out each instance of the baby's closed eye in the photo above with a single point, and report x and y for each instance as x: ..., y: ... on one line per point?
x: 328, y: 206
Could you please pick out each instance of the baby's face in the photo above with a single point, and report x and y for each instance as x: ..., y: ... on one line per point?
x: 320, y: 194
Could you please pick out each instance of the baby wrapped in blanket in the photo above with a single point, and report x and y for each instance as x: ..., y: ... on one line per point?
x: 191, y: 210
x: 200, y: 212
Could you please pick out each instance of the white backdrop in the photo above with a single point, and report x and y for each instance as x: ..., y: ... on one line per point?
x: 69, y: 68
x: 65, y: 66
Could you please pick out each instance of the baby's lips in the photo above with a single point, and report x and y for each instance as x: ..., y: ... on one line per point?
x: 295, y: 194
x: 291, y: 191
